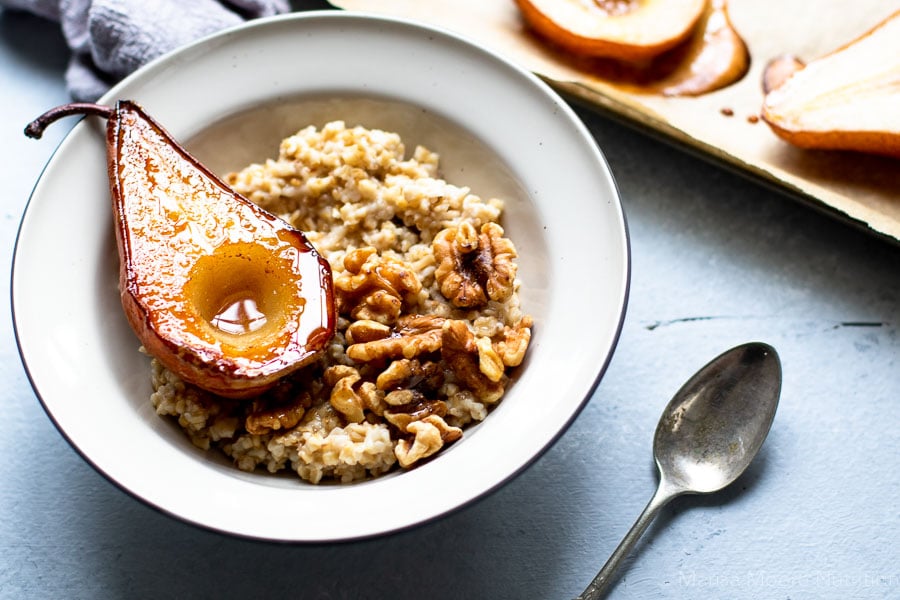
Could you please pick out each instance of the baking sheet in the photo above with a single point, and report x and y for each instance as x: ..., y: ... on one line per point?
x: 862, y: 188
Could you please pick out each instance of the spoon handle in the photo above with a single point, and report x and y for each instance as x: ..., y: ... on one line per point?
x: 599, y: 586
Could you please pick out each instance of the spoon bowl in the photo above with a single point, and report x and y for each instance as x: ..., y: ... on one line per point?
x: 707, y: 436
x: 714, y: 426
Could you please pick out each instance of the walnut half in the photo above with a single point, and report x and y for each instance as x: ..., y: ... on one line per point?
x: 413, y: 336
x: 344, y: 397
x: 473, y: 268
x: 431, y: 434
x: 511, y: 348
x: 460, y: 352
x: 375, y: 288
x: 266, y: 417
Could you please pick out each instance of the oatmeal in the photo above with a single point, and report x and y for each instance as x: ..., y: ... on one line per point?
x: 429, y: 323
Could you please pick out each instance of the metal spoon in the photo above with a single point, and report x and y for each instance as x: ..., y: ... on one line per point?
x: 707, y: 436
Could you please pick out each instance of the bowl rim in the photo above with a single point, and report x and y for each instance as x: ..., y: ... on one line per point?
x: 365, y: 20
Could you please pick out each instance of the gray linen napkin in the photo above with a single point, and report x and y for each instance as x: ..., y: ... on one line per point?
x: 111, y: 38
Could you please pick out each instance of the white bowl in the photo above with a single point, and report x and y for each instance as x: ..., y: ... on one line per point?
x: 498, y: 129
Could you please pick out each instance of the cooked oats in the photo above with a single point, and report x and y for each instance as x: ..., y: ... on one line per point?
x: 408, y: 367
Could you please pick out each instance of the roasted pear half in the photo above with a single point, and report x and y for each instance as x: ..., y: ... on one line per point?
x: 226, y: 295
x: 846, y: 100
x: 630, y: 30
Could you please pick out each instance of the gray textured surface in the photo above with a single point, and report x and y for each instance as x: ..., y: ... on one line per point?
x: 716, y: 261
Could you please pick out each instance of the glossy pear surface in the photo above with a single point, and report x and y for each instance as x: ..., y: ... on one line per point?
x: 715, y: 56
x: 846, y: 100
x: 226, y: 295
x: 630, y: 30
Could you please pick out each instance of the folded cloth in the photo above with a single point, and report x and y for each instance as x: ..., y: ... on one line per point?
x: 111, y: 38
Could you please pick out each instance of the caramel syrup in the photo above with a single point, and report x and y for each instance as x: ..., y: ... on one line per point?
x: 239, y: 315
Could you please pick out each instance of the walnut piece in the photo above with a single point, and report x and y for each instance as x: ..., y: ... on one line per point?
x: 460, y: 352
x: 374, y: 287
x: 265, y: 418
x: 335, y: 373
x: 489, y: 362
x: 411, y: 373
x: 431, y: 434
x: 366, y: 330
x: 403, y: 397
x: 413, y: 336
x: 344, y: 398
x: 512, y: 347
x: 380, y: 306
x: 472, y: 269
x: 416, y: 409
x: 372, y: 398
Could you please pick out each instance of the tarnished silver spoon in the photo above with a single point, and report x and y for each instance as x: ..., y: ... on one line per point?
x: 707, y: 436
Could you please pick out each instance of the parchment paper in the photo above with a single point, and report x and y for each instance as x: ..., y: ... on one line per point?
x: 862, y: 188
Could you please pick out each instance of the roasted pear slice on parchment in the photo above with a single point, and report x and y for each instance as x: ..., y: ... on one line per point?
x: 224, y: 294
x: 630, y: 30
x: 846, y: 100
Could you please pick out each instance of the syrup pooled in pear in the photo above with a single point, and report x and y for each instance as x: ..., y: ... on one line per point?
x: 224, y: 294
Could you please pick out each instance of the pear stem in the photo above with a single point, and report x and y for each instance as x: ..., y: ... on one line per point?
x: 36, y: 128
